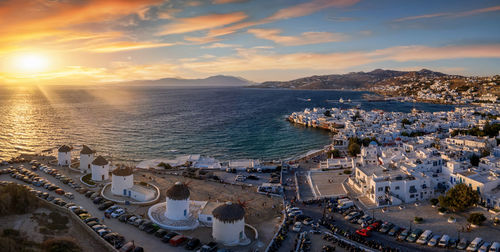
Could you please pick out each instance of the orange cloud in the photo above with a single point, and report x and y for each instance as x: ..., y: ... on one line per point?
x: 227, y: 1
x: 126, y: 46
x: 255, y: 60
x: 450, y: 14
x: 185, y: 25
x: 305, y: 38
x: 299, y: 10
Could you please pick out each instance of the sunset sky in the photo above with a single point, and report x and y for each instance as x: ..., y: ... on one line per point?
x: 95, y: 41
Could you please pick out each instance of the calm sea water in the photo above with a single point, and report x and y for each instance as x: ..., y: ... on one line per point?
x: 136, y: 123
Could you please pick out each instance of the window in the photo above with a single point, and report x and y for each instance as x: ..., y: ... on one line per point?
x: 209, y: 218
x: 380, y: 189
x: 185, y: 212
x: 412, y: 196
x: 397, y: 188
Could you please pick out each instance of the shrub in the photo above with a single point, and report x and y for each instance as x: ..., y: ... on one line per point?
x: 165, y: 166
x: 459, y: 198
x: 476, y: 218
x: 434, y: 201
x: 64, y: 244
x: 442, y: 209
x: 88, y: 179
x: 15, y: 199
x: 418, y: 219
x: 347, y: 171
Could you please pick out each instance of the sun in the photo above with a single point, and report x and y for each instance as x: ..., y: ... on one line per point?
x: 31, y: 62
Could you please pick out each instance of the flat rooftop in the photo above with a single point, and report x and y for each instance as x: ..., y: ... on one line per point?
x: 327, y: 183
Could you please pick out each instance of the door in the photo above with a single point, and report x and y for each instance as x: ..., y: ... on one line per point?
x: 125, y: 192
x: 102, y: 177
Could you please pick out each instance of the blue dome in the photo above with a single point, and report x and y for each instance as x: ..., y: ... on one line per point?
x: 373, y: 143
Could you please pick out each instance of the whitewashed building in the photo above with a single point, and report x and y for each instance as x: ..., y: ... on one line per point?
x: 177, y: 207
x: 86, y: 158
x: 228, y: 225
x: 64, y: 155
x: 121, y: 181
x: 100, y: 169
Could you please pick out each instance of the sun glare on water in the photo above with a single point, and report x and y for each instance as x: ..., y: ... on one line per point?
x: 31, y: 63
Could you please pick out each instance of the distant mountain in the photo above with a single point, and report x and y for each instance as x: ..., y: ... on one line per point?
x: 354, y: 80
x: 218, y: 80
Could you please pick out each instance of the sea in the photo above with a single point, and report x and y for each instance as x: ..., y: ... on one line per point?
x: 131, y: 124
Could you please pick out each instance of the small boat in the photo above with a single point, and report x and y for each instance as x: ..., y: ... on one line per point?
x: 341, y: 100
x: 303, y: 99
x: 348, y: 100
x: 358, y: 106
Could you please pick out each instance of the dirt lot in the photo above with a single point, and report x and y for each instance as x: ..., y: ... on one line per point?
x: 45, y: 223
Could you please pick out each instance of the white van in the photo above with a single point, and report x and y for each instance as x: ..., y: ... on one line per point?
x: 444, y: 241
x: 495, y: 247
x: 345, y: 204
x: 475, y: 244
x: 424, y: 238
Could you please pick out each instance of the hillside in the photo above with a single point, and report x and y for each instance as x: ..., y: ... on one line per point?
x: 216, y: 81
x: 354, y: 80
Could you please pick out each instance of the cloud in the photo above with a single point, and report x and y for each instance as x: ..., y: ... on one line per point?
x: 185, y: 25
x: 126, y: 46
x: 219, y: 45
x: 294, y: 11
x: 167, y: 13
x: 255, y: 60
x: 227, y: 1
x: 450, y: 14
x: 341, y: 19
x: 305, y: 38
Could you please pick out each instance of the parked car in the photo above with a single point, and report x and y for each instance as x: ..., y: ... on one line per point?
x: 394, y: 231
x: 125, y: 217
x: 89, y: 193
x: 91, y: 219
x: 475, y: 244
x: 84, y: 216
x: 105, y: 205
x: 138, y: 222
x: 424, y: 237
x: 111, y: 209
x: 485, y: 247
x: 69, y: 195
x: 434, y: 241
x: 177, y: 240
x: 414, y: 235
x: 132, y: 219
x: 297, y: 226
x: 463, y: 243
x: 169, y: 236
x: 363, y: 232
x: 495, y: 247
x: 160, y: 233
x: 209, y: 247
x: 385, y: 227
x: 145, y: 224
x: 118, y: 212
x: 443, y: 242
x: 98, y: 200
x: 128, y: 247
x: 192, y: 244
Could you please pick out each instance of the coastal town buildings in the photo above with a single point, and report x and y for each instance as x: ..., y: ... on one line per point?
x: 410, y: 157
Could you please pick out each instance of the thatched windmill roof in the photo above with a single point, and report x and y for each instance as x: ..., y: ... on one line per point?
x: 123, y: 171
x: 100, y: 161
x: 64, y: 148
x: 179, y: 191
x: 229, y: 212
x: 86, y: 150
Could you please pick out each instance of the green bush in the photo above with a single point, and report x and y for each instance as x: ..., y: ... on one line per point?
x: 88, y: 179
x: 64, y: 244
x: 165, y: 166
x: 459, y: 198
x: 418, y: 219
x: 442, y: 209
x: 347, y: 171
x: 476, y: 218
x: 434, y: 201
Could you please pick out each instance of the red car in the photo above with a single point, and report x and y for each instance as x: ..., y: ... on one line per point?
x: 374, y: 226
x: 177, y: 240
x: 364, y: 232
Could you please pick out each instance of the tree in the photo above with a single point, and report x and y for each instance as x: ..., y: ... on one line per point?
x: 434, y: 201
x: 474, y: 160
x: 476, y: 218
x: 459, y: 198
x: 64, y: 244
x: 334, y: 153
x: 354, y: 149
x: 405, y: 122
x: 165, y: 166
